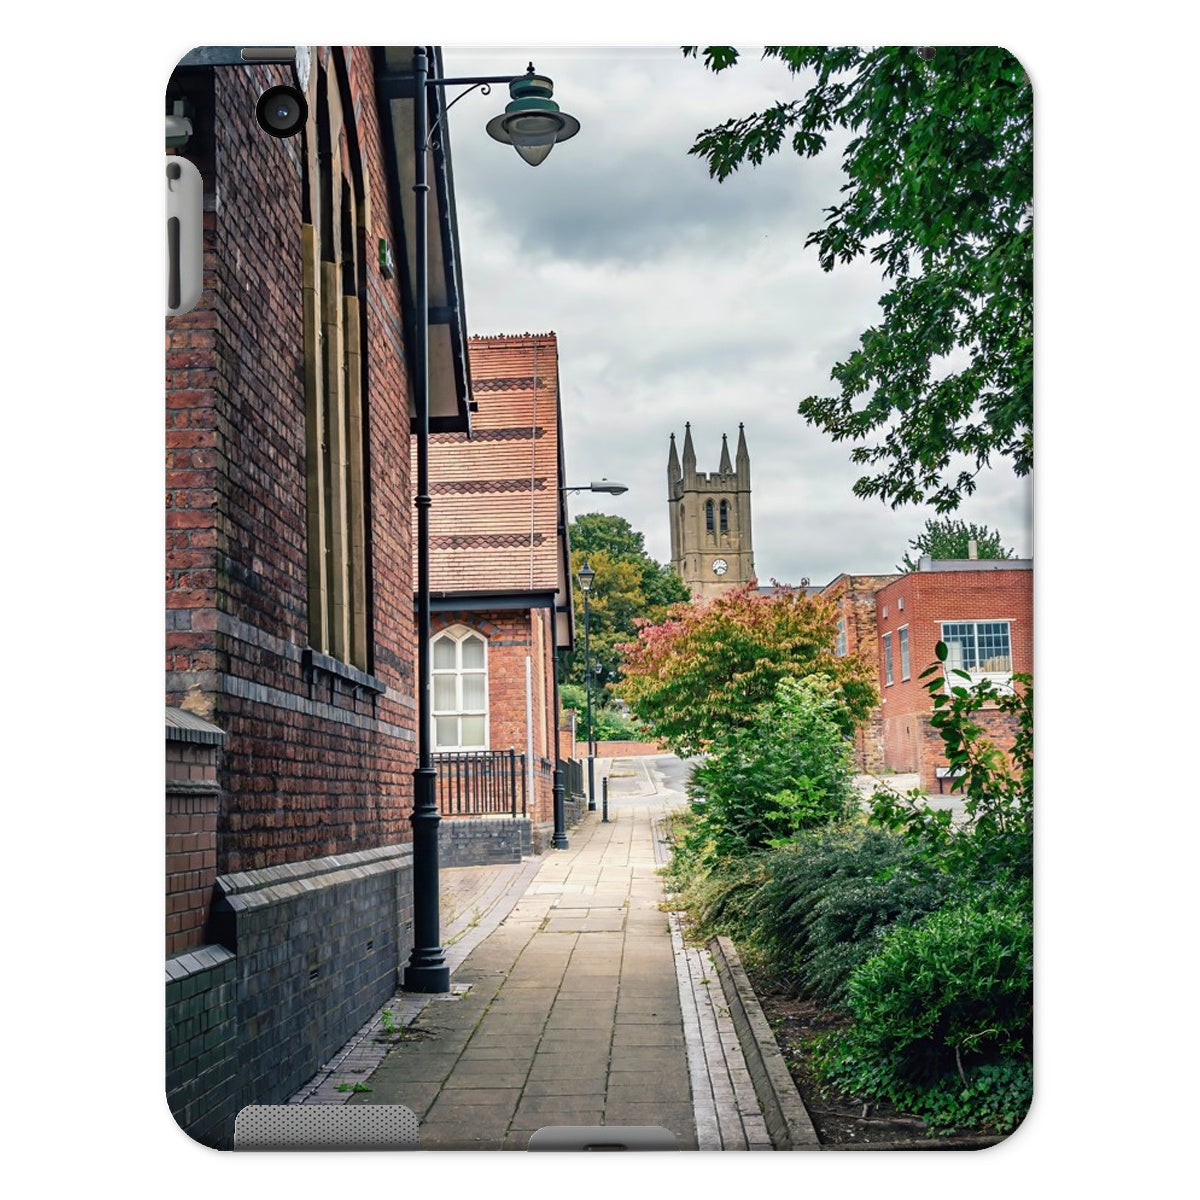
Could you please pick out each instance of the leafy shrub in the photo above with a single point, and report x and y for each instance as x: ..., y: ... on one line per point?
x: 611, y: 723
x: 937, y: 1003
x: 791, y: 769
x: 996, y: 844
x: 828, y: 899
x: 804, y: 915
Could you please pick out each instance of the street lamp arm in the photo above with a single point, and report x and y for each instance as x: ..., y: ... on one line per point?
x: 605, y: 486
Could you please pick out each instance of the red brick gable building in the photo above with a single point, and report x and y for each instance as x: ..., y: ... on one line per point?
x: 981, y: 608
x: 499, y: 566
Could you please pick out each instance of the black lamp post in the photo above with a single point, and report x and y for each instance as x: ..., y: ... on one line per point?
x: 586, y: 575
x: 532, y: 124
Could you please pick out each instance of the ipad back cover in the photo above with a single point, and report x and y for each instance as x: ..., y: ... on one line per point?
x: 516, y: 796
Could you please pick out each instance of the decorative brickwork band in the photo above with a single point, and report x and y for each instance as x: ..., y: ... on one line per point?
x: 512, y: 383
x: 489, y: 435
x: 475, y: 487
x: 477, y: 541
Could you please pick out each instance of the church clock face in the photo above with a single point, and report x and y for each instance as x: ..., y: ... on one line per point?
x: 720, y: 566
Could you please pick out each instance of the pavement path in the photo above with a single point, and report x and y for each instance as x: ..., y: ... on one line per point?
x: 574, y: 999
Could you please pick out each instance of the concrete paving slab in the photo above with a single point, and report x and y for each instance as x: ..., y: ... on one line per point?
x: 582, y: 1005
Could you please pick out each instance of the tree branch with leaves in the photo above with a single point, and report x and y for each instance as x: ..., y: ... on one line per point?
x: 939, y: 194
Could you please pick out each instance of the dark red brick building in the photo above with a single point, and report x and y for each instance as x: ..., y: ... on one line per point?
x: 289, y: 584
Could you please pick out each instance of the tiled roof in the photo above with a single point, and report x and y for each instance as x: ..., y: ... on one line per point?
x: 494, y: 518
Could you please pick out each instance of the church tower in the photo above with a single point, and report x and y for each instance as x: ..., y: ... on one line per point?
x: 711, y: 546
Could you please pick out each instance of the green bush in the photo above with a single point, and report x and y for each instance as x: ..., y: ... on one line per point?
x: 611, y: 723
x: 828, y: 899
x: 939, y: 1002
x: 791, y: 769
x: 804, y: 915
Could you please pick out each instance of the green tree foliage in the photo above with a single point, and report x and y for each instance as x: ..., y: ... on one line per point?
x: 791, y: 768
x: 612, y: 724
x: 629, y: 586
x: 938, y: 193
x: 708, y: 667
x: 946, y: 537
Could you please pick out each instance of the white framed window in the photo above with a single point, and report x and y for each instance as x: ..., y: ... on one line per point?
x: 460, y: 690
x: 983, y: 649
x: 840, y: 648
x: 888, y: 676
x: 905, y: 671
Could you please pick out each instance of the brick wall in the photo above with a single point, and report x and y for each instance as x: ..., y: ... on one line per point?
x: 626, y: 749
x: 317, y: 756
x: 202, y: 1085
x: 237, y: 627
x: 921, y: 602
x: 515, y: 636
x: 854, y: 596
x: 192, y: 801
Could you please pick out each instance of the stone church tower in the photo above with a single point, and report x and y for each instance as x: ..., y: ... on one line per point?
x: 711, y: 546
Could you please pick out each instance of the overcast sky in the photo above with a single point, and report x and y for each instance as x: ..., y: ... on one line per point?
x: 677, y: 299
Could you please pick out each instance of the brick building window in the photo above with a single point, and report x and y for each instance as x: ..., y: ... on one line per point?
x: 905, y: 671
x: 981, y: 648
x: 333, y: 242
x: 888, y: 676
x: 460, y: 690
x: 840, y: 647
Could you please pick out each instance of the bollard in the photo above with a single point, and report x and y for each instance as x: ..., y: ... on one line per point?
x: 604, y: 786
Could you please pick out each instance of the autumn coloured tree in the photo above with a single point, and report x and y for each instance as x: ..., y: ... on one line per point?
x: 709, y: 666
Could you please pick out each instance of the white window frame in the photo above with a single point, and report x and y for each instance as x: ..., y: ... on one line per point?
x: 458, y: 635
x: 1002, y: 679
x: 905, y: 661
x: 841, y: 644
x: 889, y: 676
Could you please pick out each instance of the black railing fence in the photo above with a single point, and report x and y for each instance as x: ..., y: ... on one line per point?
x: 573, y: 777
x: 473, y: 783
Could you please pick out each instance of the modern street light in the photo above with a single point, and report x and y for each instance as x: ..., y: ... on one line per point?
x: 586, y: 575
x: 532, y: 124
x: 601, y: 485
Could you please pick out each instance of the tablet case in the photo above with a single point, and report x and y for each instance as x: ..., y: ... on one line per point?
x: 292, y: 682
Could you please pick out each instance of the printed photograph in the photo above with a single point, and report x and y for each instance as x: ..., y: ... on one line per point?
x: 599, y: 597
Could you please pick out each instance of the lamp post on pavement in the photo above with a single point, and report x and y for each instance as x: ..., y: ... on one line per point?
x: 586, y: 575
x: 532, y: 124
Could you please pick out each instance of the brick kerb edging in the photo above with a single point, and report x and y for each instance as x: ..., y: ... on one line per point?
x: 788, y: 1122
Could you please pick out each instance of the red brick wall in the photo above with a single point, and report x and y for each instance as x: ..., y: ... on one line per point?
x: 192, y: 795
x: 314, y: 763
x: 514, y: 636
x: 626, y: 749
x: 929, y: 598
x: 854, y: 596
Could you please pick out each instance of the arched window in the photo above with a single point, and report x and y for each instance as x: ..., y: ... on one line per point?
x: 460, y: 690
x: 708, y: 515
x: 724, y: 516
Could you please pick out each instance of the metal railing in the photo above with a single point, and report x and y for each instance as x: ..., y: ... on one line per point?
x: 474, y: 783
x: 573, y: 782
